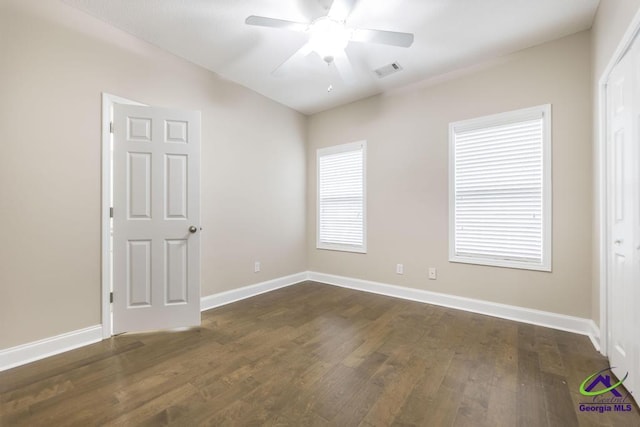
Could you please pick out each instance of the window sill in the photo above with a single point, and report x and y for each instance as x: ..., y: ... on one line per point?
x: 519, y: 265
x: 342, y: 248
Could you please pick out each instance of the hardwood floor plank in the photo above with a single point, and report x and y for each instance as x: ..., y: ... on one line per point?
x: 531, y: 408
x: 502, y: 407
x: 441, y: 409
x: 505, y: 372
x: 551, y: 359
x: 558, y: 401
x: 354, y: 411
x: 407, y: 369
x: 335, y: 389
x: 413, y: 411
x: 474, y: 405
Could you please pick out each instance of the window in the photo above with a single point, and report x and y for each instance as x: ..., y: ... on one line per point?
x: 500, y: 190
x: 341, y: 198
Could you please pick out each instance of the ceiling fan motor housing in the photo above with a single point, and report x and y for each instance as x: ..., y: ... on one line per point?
x: 328, y: 36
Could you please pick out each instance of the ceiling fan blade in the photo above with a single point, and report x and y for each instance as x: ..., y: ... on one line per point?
x: 391, y: 38
x: 263, y: 21
x: 340, y: 9
x: 281, y: 69
x: 344, y: 67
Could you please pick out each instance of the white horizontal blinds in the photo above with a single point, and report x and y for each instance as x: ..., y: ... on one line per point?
x: 499, y: 191
x: 341, y: 196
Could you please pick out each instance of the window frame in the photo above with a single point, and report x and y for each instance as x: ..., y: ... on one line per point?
x: 351, y: 146
x: 547, y: 196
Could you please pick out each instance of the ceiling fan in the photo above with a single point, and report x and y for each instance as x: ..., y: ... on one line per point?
x: 329, y: 36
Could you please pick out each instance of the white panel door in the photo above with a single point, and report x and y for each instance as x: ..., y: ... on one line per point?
x: 633, y: 305
x: 156, y: 218
x: 623, y: 214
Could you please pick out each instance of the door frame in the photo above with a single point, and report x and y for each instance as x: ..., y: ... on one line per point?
x: 602, y: 173
x: 108, y: 100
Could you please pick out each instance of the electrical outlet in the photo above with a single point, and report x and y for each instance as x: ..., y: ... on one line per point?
x: 399, y: 269
x: 256, y: 267
x: 433, y: 274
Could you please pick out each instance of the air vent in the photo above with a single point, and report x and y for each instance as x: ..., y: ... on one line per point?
x: 381, y: 72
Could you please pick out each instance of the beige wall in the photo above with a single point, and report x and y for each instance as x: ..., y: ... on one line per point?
x: 54, y: 64
x: 57, y: 61
x: 407, y: 135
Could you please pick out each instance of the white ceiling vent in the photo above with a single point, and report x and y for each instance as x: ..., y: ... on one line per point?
x: 381, y: 72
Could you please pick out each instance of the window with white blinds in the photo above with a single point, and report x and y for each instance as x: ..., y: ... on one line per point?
x: 500, y: 190
x: 341, y: 198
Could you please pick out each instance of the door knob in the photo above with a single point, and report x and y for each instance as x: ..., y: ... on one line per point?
x: 616, y: 242
x: 192, y: 229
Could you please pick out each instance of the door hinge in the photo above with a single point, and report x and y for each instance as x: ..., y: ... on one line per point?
x: 110, y: 127
x: 110, y: 212
x: 111, y: 297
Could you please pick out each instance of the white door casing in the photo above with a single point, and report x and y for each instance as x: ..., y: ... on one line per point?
x: 623, y: 204
x: 156, y: 218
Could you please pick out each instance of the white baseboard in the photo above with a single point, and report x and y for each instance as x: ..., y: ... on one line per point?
x: 520, y: 314
x: 223, y: 298
x: 30, y: 352
x: 594, y: 335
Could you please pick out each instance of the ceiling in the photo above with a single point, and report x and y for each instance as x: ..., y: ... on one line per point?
x: 449, y: 35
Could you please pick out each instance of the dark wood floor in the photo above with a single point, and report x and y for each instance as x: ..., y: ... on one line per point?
x: 316, y: 355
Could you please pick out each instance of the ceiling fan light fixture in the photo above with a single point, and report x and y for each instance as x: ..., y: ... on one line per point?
x: 328, y: 37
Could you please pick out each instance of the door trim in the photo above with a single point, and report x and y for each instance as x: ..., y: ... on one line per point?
x: 601, y: 177
x: 107, y: 167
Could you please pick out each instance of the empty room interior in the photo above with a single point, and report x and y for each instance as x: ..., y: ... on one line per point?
x: 317, y: 212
